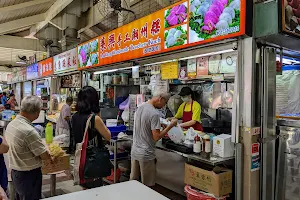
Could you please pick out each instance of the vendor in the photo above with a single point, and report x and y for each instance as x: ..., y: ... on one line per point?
x: 189, y: 111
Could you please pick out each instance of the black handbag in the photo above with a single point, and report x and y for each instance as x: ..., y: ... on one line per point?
x: 98, y: 163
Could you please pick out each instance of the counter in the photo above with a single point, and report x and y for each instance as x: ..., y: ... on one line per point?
x: 52, y: 118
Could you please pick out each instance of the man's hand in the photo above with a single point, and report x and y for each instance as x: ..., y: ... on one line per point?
x: 173, y: 123
x: 2, y: 194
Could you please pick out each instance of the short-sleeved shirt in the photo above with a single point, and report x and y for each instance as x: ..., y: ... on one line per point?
x: 146, y: 119
x: 25, y: 145
x: 3, y: 100
x: 64, y: 112
x: 196, y: 111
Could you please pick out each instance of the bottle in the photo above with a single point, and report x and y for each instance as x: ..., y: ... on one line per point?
x: 49, y: 133
x: 197, y: 145
x: 207, y: 145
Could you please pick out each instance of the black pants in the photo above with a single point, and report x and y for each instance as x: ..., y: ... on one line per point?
x: 27, y: 184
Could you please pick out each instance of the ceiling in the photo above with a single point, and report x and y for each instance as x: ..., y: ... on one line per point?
x: 24, y: 23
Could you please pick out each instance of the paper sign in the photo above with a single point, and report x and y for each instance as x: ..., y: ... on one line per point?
x: 202, y: 66
x: 169, y: 70
x: 255, y: 157
x: 192, y: 68
x: 136, y: 72
x: 217, y: 77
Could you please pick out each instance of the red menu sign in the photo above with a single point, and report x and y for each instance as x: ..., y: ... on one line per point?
x: 46, y: 67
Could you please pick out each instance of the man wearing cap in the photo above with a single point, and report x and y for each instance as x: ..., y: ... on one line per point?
x: 146, y: 132
x: 189, y: 111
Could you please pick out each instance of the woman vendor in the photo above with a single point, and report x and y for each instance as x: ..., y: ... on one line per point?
x: 189, y: 111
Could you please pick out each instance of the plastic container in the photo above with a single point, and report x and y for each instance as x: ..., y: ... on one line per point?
x: 116, y: 79
x: 193, y: 194
x: 49, y: 133
x: 124, y: 79
x: 111, y: 122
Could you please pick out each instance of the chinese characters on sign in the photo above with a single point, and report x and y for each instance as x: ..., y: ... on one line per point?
x: 65, y: 62
x: 175, y: 27
x: 46, y: 67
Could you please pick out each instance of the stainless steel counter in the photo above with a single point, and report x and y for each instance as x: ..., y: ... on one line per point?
x: 212, y: 160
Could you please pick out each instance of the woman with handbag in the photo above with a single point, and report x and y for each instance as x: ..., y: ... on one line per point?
x: 89, y: 131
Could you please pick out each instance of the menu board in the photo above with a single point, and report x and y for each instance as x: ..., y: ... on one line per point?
x: 184, y: 24
x: 65, y: 62
x: 71, y: 81
x: 169, y: 70
x: 88, y: 54
x: 46, y: 67
x: 32, y: 72
x: 290, y: 17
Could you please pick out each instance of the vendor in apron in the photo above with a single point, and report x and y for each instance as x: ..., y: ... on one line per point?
x: 189, y: 111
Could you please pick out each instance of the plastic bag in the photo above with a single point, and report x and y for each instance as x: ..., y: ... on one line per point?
x: 176, y: 134
x: 124, y: 105
x: 125, y: 115
x: 189, y: 137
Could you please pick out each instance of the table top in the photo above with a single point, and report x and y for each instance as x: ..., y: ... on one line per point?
x: 130, y: 190
x: 212, y: 160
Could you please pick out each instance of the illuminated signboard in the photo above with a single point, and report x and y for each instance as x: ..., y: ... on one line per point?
x: 32, y: 72
x: 185, y: 24
x: 46, y: 67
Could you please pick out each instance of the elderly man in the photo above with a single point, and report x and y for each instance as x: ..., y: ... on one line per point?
x: 26, y: 151
x: 146, y: 132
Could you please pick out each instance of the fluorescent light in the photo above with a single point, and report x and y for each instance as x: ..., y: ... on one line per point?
x: 287, y: 61
x: 208, y: 54
x: 161, y: 62
x: 105, y: 71
x: 21, y: 62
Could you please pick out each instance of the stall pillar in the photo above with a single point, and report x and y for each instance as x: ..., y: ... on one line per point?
x: 247, y: 178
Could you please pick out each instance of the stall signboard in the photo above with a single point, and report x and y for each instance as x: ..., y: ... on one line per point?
x: 71, y: 81
x: 169, y: 70
x: 18, y: 75
x: 32, y: 72
x: 46, y: 67
x: 88, y: 54
x: 65, y: 62
x: 290, y: 17
x: 184, y: 24
x: 9, y: 78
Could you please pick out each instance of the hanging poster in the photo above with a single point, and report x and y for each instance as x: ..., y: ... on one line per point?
x: 184, y: 24
x: 32, y: 72
x: 290, y: 17
x: 202, y: 66
x: 169, y: 70
x: 46, y: 67
x: 192, y: 68
x: 65, y: 62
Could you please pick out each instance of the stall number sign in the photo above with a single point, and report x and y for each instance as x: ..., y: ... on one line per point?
x: 46, y: 67
x: 255, y: 157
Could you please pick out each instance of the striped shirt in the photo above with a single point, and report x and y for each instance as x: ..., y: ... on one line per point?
x: 25, y: 145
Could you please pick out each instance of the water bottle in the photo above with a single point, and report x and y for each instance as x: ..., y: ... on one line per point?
x: 49, y: 133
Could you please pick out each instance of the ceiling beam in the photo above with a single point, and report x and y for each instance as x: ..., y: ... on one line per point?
x: 20, y: 23
x: 20, y: 43
x: 163, y: 3
x: 54, y: 10
x: 23, y: 5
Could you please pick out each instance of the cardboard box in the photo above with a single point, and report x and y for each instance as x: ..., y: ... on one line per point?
x: 60, y: 164
x: 222, y: 146
x: 217, y: 184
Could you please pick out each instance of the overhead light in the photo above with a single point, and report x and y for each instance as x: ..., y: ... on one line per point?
x: 21, y: 62
x: 208, y: 54
x: 106, y: 71
x: 161, y: 62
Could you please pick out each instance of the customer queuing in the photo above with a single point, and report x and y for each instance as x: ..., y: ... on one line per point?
x: 4, y: 99
x: 26, y: 151
x: 62, y: 125
x: 88, y: 104
x: 3, y: 171
x: 146, y: 132
x: 12, y: 101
